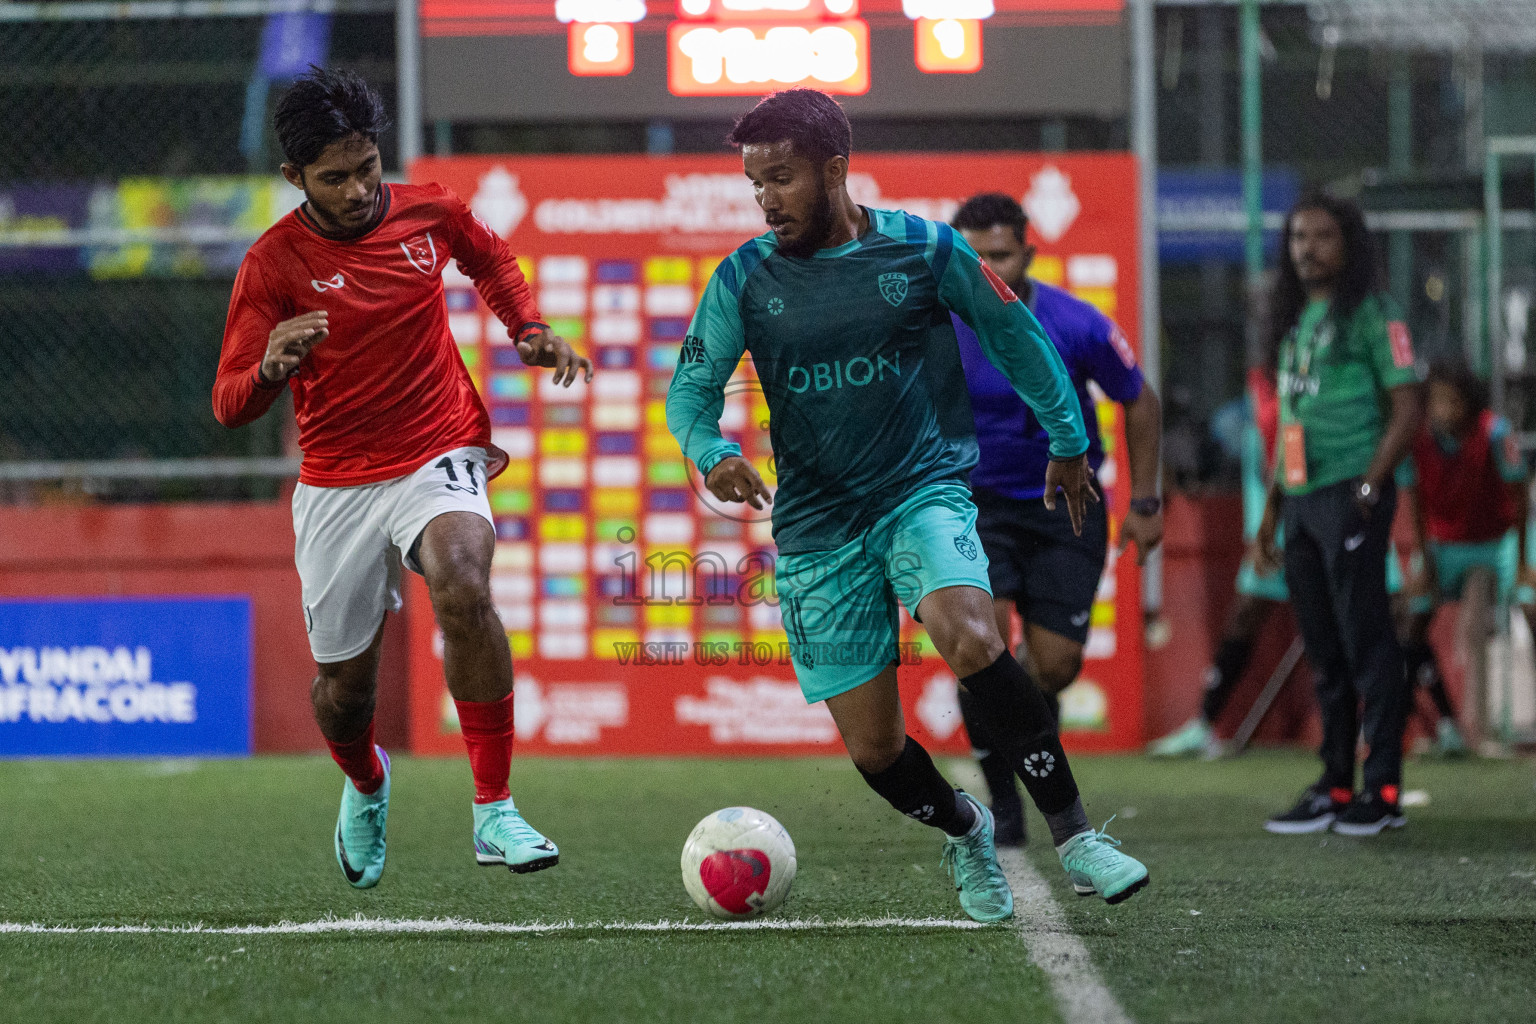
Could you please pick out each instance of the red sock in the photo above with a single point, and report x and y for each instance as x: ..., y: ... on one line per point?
x: 487, y: 728
x: 360, y: 761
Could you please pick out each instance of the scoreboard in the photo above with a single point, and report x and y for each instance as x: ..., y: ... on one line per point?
x: 640, y: 611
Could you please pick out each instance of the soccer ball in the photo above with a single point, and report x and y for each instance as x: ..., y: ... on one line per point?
x: 738, y: 863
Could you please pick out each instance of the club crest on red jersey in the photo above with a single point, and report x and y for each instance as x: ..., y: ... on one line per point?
x: 422, y: 252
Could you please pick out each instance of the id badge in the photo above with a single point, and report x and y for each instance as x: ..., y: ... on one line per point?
x: 1294, y: 437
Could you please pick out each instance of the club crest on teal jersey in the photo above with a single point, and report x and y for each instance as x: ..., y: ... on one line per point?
x: 893, y: 287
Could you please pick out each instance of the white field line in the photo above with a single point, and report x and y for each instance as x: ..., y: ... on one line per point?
x: 458, y: 925
x: 1080, y: 993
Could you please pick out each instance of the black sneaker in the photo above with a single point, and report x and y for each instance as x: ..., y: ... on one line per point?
x: 1314, y: 812
x: 1009, y: 818
x: 1369, y: 813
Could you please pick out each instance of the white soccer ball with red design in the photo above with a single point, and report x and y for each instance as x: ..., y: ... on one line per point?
x: 738, y: 863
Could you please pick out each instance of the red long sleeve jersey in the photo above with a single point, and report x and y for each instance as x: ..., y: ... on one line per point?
x: 387, y: 389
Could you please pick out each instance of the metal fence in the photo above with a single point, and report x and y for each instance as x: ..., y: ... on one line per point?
x: 1390, y: 101
x: 139, y: 164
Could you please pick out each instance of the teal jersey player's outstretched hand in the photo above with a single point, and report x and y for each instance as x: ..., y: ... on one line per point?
x: 857, y: 359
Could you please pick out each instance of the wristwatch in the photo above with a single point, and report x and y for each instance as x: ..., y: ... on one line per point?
x: 1147, y: 506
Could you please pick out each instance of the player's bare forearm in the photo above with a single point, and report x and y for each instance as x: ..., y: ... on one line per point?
x: 1407, y: 414
x: 1144, y: 441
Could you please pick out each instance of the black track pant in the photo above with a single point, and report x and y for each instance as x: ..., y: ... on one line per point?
x: 1335, y: 567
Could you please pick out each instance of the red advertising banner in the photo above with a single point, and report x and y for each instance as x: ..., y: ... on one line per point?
x: 641, y: 619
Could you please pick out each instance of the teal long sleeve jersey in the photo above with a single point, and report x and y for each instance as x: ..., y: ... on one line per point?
x: 858, y: 362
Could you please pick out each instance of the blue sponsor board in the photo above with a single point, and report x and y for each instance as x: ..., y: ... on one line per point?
x: 1201, y: 216
x: 292, y: 41
x: 125, y: 677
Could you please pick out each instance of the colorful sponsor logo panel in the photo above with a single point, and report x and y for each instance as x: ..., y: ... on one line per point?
x: 654, y: 625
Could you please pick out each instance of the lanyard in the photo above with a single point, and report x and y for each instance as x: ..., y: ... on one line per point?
x: 1297, y: 362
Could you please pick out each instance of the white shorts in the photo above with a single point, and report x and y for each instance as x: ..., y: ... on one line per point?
x: 351, y: 541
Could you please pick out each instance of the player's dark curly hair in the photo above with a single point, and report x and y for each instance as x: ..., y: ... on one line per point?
x: 981, y: 212
x: 1455, y: 372
x: 812, y: 121
x: 1357, y: 281
x: 325, y: 107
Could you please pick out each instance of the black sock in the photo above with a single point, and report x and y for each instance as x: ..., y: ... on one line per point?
x: 1071, y: 822
x: 994, y: 766
x: 1053, y: 701
x: 1018, y: 720
x: 1222, y: 677
x: 915, y: 788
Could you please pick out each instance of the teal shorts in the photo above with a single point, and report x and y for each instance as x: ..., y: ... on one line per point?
x: 1271, y: 586
x: 1455, y: 562
x: 839, y: 606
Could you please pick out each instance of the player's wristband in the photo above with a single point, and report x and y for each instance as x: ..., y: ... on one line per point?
x: 264, y: 384
x: 531, y: 327
x: 1147, y: 506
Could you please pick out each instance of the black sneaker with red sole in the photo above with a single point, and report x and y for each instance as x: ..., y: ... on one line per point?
x: 1370, y: 813
x: 1317, y: 809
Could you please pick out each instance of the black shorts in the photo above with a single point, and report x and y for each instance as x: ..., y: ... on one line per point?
x: 1036, y: 560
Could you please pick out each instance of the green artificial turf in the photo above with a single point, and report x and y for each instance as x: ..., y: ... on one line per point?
x: 1433, y: 923
x: 249, y: 842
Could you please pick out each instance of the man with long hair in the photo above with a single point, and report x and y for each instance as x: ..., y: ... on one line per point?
x: 1350, y: 404
x: 846, y: 312
x: 341, y: 302
x: 1469, y: 507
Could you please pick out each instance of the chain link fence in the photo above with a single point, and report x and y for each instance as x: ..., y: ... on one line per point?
x: 140, y: 164
x: 1388, y: 101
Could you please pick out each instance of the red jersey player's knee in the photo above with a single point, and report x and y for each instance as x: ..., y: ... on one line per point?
x: 455, y: 555
x: 462, y: 604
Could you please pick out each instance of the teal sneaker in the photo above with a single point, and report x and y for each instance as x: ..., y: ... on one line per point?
x: 1191, y: 738
x: 360, y: 830
x: 1449, y: 742
x: 1097, y: 867
x: 503, y: 837
x: 971, y: 861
